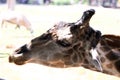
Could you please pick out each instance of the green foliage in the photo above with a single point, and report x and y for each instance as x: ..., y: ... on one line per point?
x: 64, y: 2
x: 3, y: 55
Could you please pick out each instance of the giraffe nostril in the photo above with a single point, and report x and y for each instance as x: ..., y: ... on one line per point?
x: 17, y: 51
x: 22, y: 50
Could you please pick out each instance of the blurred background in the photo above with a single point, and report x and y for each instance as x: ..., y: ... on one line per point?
x: 104, y: 3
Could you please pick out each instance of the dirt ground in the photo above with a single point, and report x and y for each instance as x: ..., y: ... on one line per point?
x: 42, y: 18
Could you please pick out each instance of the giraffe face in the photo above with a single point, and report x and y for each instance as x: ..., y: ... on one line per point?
x: 63, y: 44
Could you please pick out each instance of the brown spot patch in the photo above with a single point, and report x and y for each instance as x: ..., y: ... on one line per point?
x: 107, y: 72
x: 109, y: 66
x: 102, y: 42
x: 105, y: 48
x: 86, y: 61
x: 112, y: 56
x: 117, y: 65
x: 75, y: 58
x: 112, y: 40
x: 102, y: 59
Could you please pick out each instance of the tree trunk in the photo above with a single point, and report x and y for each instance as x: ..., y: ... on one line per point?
x: 11, y: 4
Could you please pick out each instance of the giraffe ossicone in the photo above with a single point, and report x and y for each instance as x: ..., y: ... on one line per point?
x: 63, y: 45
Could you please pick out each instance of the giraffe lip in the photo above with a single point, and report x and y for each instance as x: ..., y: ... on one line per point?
x: 14, y: 60
x: 11, y: 59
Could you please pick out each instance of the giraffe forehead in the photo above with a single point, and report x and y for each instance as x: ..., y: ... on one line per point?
x: 64, y: 33
x: 61, y: 32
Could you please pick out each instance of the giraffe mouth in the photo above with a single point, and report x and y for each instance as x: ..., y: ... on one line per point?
x: 17, y: 60
x: 19, y: 55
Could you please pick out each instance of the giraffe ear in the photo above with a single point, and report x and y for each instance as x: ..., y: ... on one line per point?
x: 96, y: 60
x: 85, y: 17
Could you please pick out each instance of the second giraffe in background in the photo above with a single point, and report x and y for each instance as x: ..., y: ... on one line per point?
x: 15, y: 18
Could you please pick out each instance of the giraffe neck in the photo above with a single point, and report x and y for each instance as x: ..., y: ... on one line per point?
x: 110, y: 57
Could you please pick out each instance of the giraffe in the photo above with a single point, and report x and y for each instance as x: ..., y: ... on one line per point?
x: 108, y: 49
x: 70, y: 45
x: 64, y: 45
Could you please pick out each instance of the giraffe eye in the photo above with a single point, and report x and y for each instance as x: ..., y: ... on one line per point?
x: 45, y: 36
x: 63, y: 43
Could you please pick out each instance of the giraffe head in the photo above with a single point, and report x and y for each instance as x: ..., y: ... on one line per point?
x: 64, y: 45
